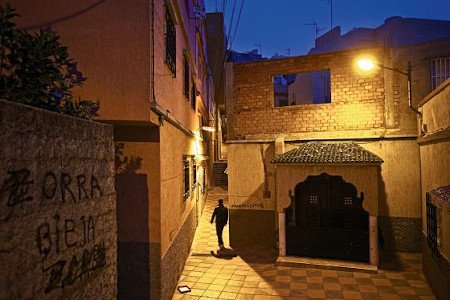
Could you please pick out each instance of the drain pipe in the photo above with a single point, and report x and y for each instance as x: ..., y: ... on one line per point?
x: 408, y: 74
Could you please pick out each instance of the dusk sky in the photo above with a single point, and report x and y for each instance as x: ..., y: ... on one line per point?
x: 278, y: 25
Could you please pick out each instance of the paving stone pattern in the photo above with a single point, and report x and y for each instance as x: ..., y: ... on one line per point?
x: 254, y: 275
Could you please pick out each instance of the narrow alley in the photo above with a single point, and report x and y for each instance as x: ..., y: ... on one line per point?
x: 254, y: 275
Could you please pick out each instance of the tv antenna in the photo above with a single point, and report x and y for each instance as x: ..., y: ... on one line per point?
x: 259, y: 46
x: 198, y: 12
x: 331, y: 12
x: 317, y: 30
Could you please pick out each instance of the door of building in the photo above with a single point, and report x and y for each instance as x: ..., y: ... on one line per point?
x: 326, y: 220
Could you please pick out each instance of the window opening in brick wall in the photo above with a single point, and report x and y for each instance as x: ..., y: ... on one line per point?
x: 440, y: 71
x: 186, y: 77
x: 432, y: 233
x: 302, y: 88
x: 171, y: 44
x: 186, y: 178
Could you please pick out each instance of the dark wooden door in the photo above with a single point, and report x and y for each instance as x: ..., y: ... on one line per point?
x: 326, y: 220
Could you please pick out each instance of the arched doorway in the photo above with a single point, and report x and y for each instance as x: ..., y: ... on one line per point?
x: 326, y: 220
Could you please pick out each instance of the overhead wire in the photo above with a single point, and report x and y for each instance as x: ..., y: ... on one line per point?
x: 231, y: 40
x: 237, y: 24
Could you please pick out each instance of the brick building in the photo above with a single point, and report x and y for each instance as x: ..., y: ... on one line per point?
x: 369, y: 111
x: 146, y: 62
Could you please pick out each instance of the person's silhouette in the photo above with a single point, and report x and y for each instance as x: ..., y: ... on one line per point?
x: 221, y: 215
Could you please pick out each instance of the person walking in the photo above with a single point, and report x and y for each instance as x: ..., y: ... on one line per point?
x: 221, y: 215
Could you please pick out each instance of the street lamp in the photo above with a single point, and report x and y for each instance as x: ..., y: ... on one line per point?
x: 367, y: 64
x: 208, y: 128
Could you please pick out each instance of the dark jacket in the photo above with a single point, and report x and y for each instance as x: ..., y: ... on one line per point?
x: 221, y: 215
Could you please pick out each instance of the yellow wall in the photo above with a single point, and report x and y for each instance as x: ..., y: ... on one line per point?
x: 246, y: 176
x: 436, y: 111
x: 435, y: 155
x: 398, y: 184
x: 149, y: 152
x: 435, y: 161
x: 174, y: 209
x: 399, y: 187
x: 110, y: 40
x: 169, y: 89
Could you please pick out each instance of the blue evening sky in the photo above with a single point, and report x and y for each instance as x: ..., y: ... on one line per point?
x: 278, y: 25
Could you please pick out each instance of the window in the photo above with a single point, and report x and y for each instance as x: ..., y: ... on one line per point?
x: 440, y: 71
x: 186, y: 178
x: 171, y: 44
x: 348, y: 201
x: 313, y: 199
x: 186, y: 76
x: 194, y: 95
x: 432, y: 225
x: 194, y: 174
x: 302, y: 88
x: 204, y: 181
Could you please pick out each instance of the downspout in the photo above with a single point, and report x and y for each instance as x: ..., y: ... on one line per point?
x: 408, y: 74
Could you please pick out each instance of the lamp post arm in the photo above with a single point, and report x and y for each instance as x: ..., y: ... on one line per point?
x: 407, y: 74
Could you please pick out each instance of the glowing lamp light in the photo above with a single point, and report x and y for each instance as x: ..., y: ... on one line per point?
x: 208, y: 128
x: 365, y: 64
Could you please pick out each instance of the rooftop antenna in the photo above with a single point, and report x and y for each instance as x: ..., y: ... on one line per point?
x: 198, y: 12
x: 259, y: 47
x: 317, y: 30
x: 331, y: 12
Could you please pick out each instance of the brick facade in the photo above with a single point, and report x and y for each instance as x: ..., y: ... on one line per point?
x: 357, y: 100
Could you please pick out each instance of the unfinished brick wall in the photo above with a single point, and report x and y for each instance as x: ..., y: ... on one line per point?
x: 357, y: 100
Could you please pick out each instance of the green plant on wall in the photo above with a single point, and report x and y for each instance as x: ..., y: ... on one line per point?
x: 36, y: 70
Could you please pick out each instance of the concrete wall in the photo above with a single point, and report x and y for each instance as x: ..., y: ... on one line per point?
x: 435, y: 166
x: 398, y: 194
x: 110, y: 40
x: 138, y: 211
x: 251, y: 186
x: 58, y: 229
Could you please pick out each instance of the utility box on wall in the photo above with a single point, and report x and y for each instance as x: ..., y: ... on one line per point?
x: 58, y: 229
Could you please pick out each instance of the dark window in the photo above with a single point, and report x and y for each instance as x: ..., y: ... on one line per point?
x: 302, y: 88
x: 171, y: 44
x: 432, y: 225
x: 204, y: 181
x: 186, y: 76
x: 194, y: 174
x: 194, y: 95
x: 186, y: 178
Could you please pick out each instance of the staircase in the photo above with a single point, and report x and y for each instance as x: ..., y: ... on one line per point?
x: 219, y: 178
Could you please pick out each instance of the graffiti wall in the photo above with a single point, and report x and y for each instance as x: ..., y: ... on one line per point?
x: 57, y: 206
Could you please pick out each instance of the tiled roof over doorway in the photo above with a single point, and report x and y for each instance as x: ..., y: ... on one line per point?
x: 328, y: 153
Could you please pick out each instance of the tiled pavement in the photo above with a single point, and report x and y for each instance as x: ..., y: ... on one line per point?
x: 253, y: 274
